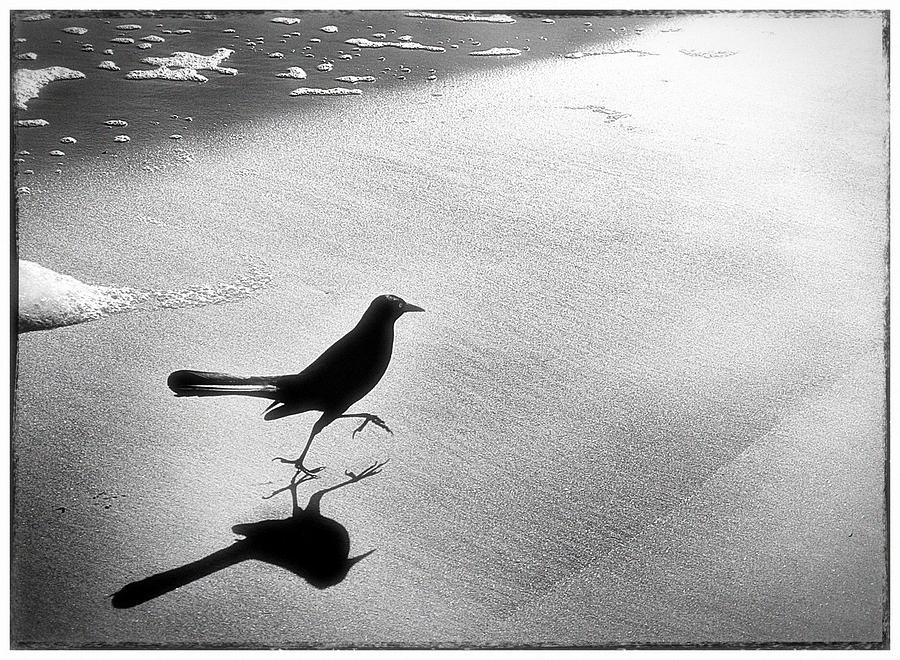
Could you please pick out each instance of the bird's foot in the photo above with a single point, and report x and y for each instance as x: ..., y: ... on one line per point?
x: 376, y: 420
x: 296, y: 480
x: 372, y: 470
x: 298, y: 464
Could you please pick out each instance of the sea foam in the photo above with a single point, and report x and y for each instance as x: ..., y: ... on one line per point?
x: 184, y: 66
x: 31, y: 123
x: 463, y: 18
x: 27, y: 83
x: 356, y: 79
x: 284, y: 20
x: 48, y: 299
x: 75, y: 30
x: 293, y: 72
x: 333, y: 91
x: 497, y: 52
x: 406, y: 45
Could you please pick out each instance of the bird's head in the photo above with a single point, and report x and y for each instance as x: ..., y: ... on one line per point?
x: 392, y: 307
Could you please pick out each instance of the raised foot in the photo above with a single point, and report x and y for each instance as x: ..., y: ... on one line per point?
x: 372, y: 470
x: 298, y: 464
x: 376, y: 420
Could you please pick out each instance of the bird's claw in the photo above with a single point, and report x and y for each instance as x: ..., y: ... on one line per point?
x: 372, y: 470
x: 298, y: 464
x: 376, y: 420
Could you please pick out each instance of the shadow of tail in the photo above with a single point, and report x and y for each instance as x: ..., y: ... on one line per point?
x: 162, y: 583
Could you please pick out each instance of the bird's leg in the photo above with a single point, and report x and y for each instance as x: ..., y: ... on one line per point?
x: 296, y: 480
x: 368, y: 417
x: 322, y: 422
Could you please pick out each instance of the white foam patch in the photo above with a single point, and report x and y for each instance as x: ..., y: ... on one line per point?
x: 332, y: 91
x: 325, y: 66
x: 68, y: 140
x: 26, y: 56
x: 75, y: 30
x: 108, y: 65
x: 145, y: 46
x: 463, y: 18
x: 406, y: 45
x: 37, y: 17
x: 48, y: 299
x: 590, y: 53
x: 121, y: 138
x: 116, y: 122
x: 122, y: 40
x: 708, y: 54
x: 331, y: 29
x: 497, y: 52
x: 27, y: 83
x: 128, y: 26
x: 284, y: 20
x: 356, y: 79
x: 31, y: 123
x: 153, y: 38
x: 184, y: 66
x: 276, y: 55
x: 293, y: 72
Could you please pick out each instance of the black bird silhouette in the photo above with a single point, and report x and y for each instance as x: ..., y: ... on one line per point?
x: 338, y: 378
x: 307, y: 544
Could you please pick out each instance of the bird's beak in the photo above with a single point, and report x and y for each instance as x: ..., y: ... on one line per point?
x: 412, y: 308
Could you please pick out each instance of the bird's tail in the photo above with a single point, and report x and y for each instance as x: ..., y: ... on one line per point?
x: 206, y: 383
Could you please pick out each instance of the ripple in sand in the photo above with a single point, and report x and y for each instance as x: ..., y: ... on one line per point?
x: 356, y: 79
x: 708, y: 54
x: 406, y: 45
x: 128, y: 26
x: 333, y: 91
x: 27, y: 83
x: 463, y: 18
x: 75, y: 30
x: 48, y: 299
x: 331, y: 29
x: 285, y: 20
x: 497, y: 52
x: 31, y: 123
x: 293, y: 72
x: 26, y: 56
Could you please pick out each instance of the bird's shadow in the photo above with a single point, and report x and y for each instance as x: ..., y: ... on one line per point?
x: 307, y: 544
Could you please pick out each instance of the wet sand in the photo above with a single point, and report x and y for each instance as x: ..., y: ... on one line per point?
x: 646, y: 404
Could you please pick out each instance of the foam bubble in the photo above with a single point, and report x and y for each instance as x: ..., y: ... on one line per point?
x: 331, y: 29
x: 75, y: 30
x: 48, y: 299
x: 121, y: 138
x: 68, y: 140
x: 26, y: 56
x: 116, y: 122
x: 152, y: 38
x: 497, y: 52
x: 229, y: 31
x: 276, y: 55
x: 122, y: 40
x: 27, y: 83
x: 325, y: 66
x: 20, y: 40
x: 31, y: 123
x: 284, y: 20
x: 463, y: 18
x: 333, y: 91
x: 145, y: 46
x: 57, y: 153
x: 406, y: 45
x: 293, y: 72
x: 356, y: 79
x: 128, y: 26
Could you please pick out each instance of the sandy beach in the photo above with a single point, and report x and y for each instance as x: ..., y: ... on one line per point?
x: 646, y: 404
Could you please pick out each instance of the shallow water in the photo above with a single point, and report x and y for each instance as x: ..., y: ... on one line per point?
x: 645, y: 404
